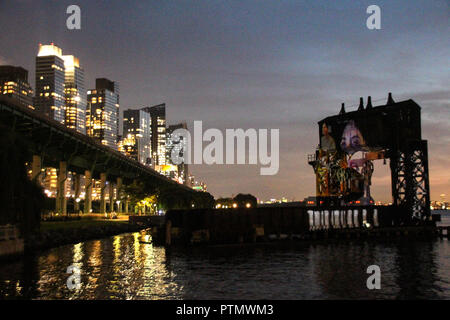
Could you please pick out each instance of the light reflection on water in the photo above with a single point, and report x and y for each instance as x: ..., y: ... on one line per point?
x: 129, y: 267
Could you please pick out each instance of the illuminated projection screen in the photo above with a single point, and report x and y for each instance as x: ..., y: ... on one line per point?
x: 379, y: 128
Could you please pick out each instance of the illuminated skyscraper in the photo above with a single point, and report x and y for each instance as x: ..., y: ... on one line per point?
x: 75, y: 94
x: 50, y: 77
x: 158, y: 133
x: 136, y: 135
x: 14, y: 84
x: 178, y: 147
x: 102, y: 114
x: 60, y: 92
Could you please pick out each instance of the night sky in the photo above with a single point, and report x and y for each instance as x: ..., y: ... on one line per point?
x: 255, y: 64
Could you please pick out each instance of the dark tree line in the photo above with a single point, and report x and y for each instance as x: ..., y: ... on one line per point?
x: 167, y: 196
x: 240, y: 201
x: 22, y: 200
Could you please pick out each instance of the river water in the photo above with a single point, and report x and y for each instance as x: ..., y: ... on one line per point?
x: 130, y: 267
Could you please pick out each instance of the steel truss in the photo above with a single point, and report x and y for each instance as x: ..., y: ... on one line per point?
x: 410, y: 179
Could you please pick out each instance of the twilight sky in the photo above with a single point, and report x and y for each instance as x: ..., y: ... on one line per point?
x: 255, y: 64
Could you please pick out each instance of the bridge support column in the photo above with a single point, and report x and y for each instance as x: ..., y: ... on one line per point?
x: 36, y: 168
x: 111, y: 197
x: 77, y: 187
x: 88, y: 191
x: 126, y: 206
x: 102, y: 192
x: 119, y: 194
x: 61, y: 190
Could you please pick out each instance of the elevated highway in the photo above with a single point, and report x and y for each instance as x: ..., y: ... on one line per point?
x: 54, y: 145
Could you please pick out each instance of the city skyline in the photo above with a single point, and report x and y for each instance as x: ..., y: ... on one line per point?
x: 198, y: 87
x: 61, y: 96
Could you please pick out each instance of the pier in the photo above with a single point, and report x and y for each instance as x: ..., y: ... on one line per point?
x: 264, y: 224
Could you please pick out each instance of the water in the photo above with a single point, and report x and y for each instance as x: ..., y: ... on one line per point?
x: 122, y: 267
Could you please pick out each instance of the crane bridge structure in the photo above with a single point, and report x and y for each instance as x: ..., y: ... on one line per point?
x: 349, y: 142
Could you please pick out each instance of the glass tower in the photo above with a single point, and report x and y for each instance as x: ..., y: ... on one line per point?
x: 50, y: 77
x: 136, y: 135
x: 158, y: 133
x: 102, y: 114
x: 75, y: 94
x: 181, y: 174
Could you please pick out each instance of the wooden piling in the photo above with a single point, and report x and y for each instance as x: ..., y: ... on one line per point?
x: 168, y: 232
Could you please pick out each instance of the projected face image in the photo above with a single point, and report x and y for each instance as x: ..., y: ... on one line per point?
x: 352, y: 139
x: 327, y: 141
x: 325, y: 129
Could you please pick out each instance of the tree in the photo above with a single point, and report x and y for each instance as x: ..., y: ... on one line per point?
x: 245, y: 200
x: 203, y: 200
x: 224, y: 203
x: 166, y: 196
x: 135, y: 192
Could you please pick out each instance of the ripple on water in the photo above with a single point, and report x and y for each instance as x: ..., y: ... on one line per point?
x: 122, y: 267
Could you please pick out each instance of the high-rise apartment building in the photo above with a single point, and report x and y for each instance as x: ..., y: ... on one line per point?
x: 102, y: 114
x: 60, y: 92
x: 158, y: 133
x: 136, y: 142
x: 181, y: 174
x: 50, y: 76
x: 14, y: 84
x: 75, y: 94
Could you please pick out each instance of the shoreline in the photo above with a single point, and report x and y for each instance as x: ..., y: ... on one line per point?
x: 54, y: 234
x: 60, y: 233
x: 52, y: 238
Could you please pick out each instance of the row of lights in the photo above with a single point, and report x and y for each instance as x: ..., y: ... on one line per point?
x: 219, y: 206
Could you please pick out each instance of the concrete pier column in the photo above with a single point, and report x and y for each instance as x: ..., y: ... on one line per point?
x: 88, y: 191
x: 61, y: 188
x: 36, y: 168
x: 119, y: 194
x: 111, y: 197
x: 77, y: 188
x: 102, y: 192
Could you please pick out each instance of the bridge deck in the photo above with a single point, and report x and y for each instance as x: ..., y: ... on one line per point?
x: 54, y: 142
